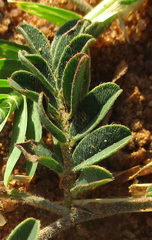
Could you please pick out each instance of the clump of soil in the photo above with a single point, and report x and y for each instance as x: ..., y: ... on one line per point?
x: 110, y: 54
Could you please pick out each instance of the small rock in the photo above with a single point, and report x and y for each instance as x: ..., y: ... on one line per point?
x: 2, y: 220
x: 141, y: 24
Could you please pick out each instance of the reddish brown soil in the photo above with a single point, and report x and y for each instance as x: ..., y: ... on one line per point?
x: 133, y: 109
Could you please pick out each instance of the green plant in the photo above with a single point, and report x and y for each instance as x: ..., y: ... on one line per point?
x: 58, y: 81
x: 11, y: 101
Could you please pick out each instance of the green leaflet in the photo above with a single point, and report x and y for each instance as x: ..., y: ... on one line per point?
x: 54, y: 15
x: 34, y: 131
x: 90, y: 177
x: 79, y: 43
x: 99, y: 144
x: 73, y: 72
x: 18, y: 135
x: 37, y: 152
x: 10, y: 49
x: 76, y: 93
x: 43, y: 109
x: 36, y: 40
x: 30, y: 227
x: 62, y: 40
x: 63, y: 30
x: 43, y: 67
x: 27, y: 80
x: 35, y: 96
x: 36, y: 70
x: 93, y: 109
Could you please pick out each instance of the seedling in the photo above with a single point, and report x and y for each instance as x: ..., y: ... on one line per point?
x: 58, y: 80
x: 101, y: 17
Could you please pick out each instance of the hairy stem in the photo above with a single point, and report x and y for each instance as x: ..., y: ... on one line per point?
x: 93, y: 211
x: 35, y: 201
x: 67, y: 180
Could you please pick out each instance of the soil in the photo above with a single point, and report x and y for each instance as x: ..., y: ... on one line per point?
x: 112, y: 57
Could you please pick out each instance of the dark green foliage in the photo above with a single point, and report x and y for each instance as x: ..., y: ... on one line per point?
x: 36, y: 40
x: 99, y: 144
x: 58, y: 80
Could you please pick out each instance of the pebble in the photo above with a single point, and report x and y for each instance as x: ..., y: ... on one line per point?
x: 2, y: 220
x: 141, y: 24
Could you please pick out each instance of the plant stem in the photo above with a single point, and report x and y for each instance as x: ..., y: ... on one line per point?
x: 93, y: 211
x: 35, y: 201
x: 67, y: 180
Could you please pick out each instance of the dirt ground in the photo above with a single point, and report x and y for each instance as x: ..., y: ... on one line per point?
x: 110, y: 54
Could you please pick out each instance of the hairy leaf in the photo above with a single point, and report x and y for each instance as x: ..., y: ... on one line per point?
x: 43, y: 114
x: 99, y: 144
x: 35, y: 96
x: 62, y: 30
x: 36, y: 40
x: 36, y: 152
x: 90, y: 177
x: 63, y: 40
x: 29, y: 81
x: 39, y: 73
x: 93, y: 109
x: 26, y: 230
x: 43, y: 67
x: 79, y: 43
x: 73, y: 71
